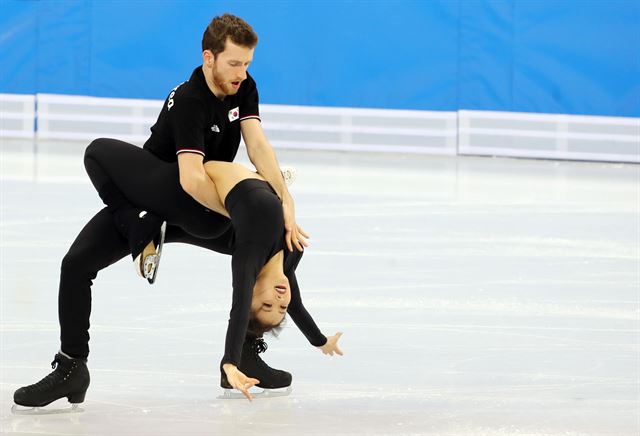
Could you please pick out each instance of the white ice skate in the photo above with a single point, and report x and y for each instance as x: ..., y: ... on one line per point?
x: 147, y: 268
x: 288, y: 174
x: 231, y: 394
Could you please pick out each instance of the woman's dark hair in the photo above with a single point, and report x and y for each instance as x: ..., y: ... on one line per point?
x: 257, y: 329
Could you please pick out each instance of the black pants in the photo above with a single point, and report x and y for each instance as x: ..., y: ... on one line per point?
x: 150, y: 183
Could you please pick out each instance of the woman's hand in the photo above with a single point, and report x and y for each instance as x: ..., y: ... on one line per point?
x: 238, y: 380
x: 332, y: 345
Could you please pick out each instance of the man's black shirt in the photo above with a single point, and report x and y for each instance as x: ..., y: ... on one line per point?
x: 194, y: 120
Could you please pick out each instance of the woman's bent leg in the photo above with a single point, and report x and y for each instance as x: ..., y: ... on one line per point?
x: 148, y: 182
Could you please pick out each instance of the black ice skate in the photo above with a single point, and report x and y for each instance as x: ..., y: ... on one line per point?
x: 69, y: 379
x: 272, y: 381
x: 142, y: 228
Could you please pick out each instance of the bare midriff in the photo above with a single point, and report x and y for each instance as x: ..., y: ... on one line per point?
x: 226, y: 175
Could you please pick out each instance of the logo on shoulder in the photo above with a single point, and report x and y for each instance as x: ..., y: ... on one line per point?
x: 173, y: 92
x: 234, y: 114
x: 215, y: 128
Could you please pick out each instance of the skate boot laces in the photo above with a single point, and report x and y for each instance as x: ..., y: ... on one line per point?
x: 258, y: 346
x: 53, y: 378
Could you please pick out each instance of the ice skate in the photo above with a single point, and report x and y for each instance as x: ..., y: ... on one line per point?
x: 274, y: 382
x: 70, y: 379
x: 288, y: 174
x: 147, y: 262
x: 145, y: 233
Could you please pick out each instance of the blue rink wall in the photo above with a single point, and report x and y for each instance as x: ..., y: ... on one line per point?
x: 570, y: 56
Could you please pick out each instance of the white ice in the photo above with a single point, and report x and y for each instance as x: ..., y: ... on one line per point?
x: 477, y: 296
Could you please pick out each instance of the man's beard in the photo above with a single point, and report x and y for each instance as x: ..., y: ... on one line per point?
x: 226, y: 87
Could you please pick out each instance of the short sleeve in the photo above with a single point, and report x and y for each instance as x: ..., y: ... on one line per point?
x: 187, y: 121
x: 249, y: 102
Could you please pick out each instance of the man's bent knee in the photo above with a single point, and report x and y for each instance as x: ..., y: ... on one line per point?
x: 94, y: 147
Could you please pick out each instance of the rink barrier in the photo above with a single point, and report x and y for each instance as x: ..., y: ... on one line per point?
x: 550, y: 136
x: 350, y: 129
x: 85, y: 118
x: 17, y: 115
x: 528, y: 135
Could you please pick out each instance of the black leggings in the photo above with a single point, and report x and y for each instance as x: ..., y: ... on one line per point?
x: 150, y: 183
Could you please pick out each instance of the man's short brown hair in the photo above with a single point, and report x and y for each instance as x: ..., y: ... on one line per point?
x: 227, y: 26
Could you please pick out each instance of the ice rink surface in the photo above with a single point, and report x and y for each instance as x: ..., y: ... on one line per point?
x: 477, y: 296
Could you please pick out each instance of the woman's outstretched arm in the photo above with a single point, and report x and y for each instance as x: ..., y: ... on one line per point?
x: 306, y: 324
x: 300, y: 316
x: 246, y: 261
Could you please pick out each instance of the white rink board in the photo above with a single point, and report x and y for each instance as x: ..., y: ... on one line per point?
x: 17, y: 116
x: 550, y: 136
x: 463, y: 132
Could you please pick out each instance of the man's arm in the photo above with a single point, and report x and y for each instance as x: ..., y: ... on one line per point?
x: 264, y: 159
x: 196, y: 182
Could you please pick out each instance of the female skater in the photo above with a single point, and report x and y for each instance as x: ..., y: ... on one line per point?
x: 264, y: 282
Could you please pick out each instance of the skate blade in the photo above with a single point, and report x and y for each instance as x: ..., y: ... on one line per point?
x: 147, y: 268
x: 22, y: 410
x: 151, y: 275
x: 231, y: 394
